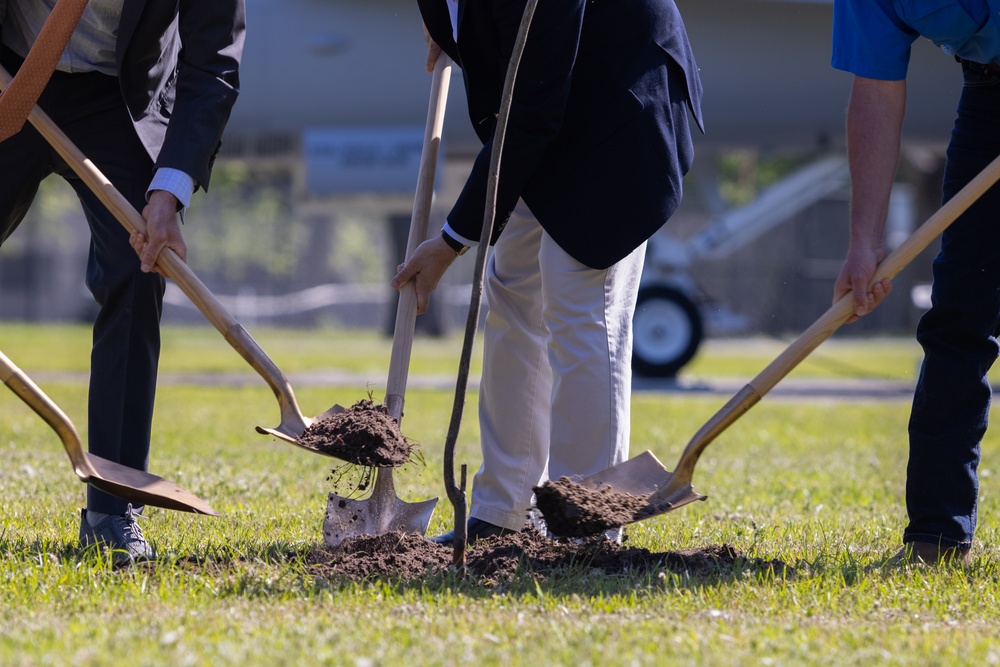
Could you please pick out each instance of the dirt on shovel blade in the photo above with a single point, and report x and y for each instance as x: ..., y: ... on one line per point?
x: 364, y: 434
x: 573, y: 510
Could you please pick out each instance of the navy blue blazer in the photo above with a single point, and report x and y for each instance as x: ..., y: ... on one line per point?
x: 598, y: 139
x: 179, y: 100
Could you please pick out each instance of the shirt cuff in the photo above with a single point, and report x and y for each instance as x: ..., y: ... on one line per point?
x: 458, y: 237
x: 174, y: 181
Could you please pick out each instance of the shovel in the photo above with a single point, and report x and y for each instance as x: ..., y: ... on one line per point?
x: 293, y: 423
x: 137, y: 486
x: 644, y: 474
x: 383, y: 512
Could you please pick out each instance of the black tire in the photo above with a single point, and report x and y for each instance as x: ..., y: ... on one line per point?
x: 666, y: 331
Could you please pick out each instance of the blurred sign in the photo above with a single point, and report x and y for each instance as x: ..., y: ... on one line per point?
x: 359, y: 159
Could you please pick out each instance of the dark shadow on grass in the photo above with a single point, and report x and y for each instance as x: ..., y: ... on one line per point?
x: 518, y: 564
x: 60, y: 552
x: 528, y: 563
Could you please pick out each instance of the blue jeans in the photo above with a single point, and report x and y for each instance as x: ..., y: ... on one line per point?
x: 958, y: 335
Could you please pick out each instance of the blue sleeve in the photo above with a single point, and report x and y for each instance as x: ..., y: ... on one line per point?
x: 870, y: 39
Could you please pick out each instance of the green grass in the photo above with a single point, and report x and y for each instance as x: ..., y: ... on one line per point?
x: 880, y: 358
x: 816, y: 485
x: 185, y: 349
x: 203, y: 349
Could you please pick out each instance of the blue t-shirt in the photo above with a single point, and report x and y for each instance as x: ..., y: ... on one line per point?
x: 872, y: 38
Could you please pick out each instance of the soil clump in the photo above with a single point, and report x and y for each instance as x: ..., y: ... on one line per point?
x: 574, y: 510
x: 409, y: 558
x: 364, y: 434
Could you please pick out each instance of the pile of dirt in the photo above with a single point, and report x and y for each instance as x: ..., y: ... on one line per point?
x: 364, y: 434
x: 573, y: 510
x: 405, y: 556
x: 494, y: 561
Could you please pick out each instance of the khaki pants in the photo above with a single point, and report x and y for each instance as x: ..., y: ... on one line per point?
x: 556, y: 385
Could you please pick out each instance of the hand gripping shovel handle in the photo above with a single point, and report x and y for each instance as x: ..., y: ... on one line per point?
x: 822, y: 329
x: 406, y: 308
x: 456, y: 492
x: 383, y: 511
x: 177, y: 270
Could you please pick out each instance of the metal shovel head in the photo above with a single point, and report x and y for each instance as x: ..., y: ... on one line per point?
x: 142, y: 487
x: 137, y: 486
x: 291, y: 430
x: 382, y: 512
x: 643, y: 475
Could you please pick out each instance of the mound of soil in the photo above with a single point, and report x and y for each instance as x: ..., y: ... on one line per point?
x: 573, y: 510
x: 494, y: 561
x: 363, y: 434
x: 406, y: 556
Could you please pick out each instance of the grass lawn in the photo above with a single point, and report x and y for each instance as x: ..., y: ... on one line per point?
x: 814, y: 484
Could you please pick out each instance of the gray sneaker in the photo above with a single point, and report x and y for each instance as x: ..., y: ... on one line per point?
x: 122, y: 534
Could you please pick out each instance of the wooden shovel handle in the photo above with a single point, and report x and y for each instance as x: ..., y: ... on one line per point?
x: 897, y: 260
x: 125, y: 213
x: 171, y: 264
x: 19, y: 383
x: 406, y: 308
x: 824, y: 327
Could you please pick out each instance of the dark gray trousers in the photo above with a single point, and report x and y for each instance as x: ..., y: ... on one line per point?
x: 126, y: 346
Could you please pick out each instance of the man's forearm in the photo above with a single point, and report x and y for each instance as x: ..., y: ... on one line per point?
x: 874, y: 124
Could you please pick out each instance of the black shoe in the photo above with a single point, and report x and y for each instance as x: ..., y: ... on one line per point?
x: 122, y: 535
x: 929, y: 553
x: 475, y: 529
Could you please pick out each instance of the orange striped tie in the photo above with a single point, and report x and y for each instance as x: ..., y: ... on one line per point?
x: 21, y: 95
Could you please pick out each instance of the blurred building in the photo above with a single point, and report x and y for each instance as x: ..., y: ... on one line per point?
x: 332, y: 107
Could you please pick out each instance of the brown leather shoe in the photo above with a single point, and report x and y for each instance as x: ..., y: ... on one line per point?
x: 929, y: 553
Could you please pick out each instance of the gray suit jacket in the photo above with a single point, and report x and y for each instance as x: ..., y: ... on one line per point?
x: 180, y: 101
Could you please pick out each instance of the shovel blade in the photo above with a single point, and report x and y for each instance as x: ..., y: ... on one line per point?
x: 281, y: 433
x: 640, y: 476
x: 292, y: 432
x: 143, y: 488
x: 348, y: 518
x: 679, y: 498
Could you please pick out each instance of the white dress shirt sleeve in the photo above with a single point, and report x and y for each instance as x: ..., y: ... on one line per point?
x: 174, y: 181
